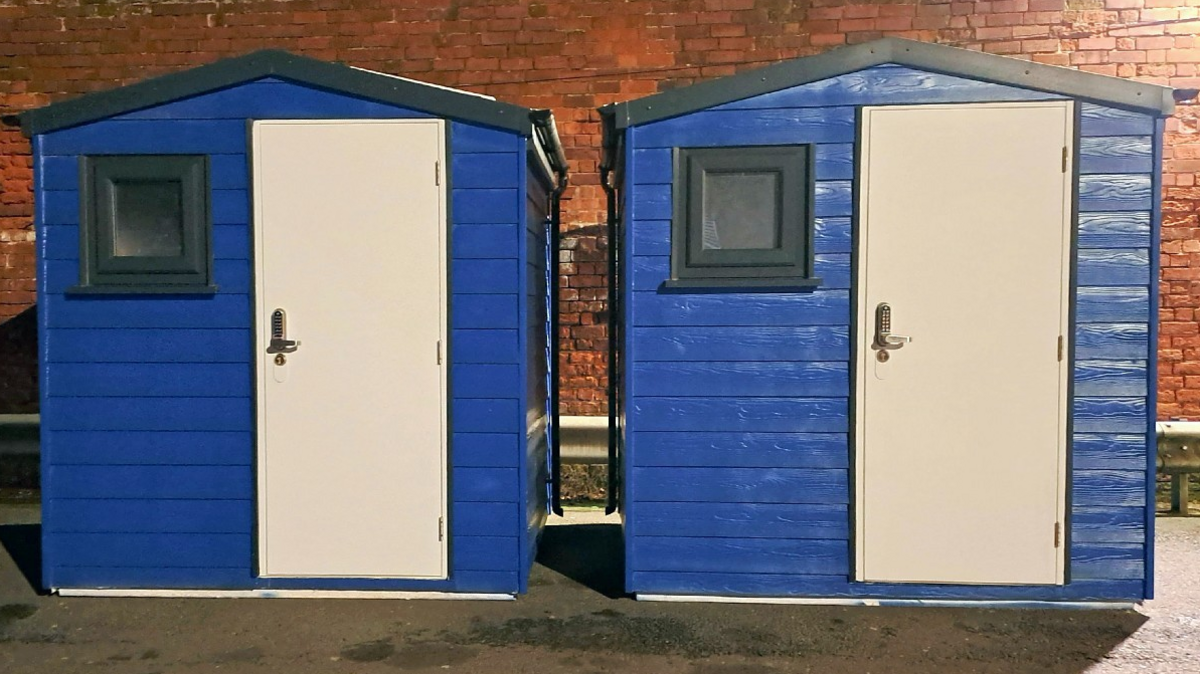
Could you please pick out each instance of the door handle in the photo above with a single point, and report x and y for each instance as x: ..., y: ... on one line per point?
x: 279, y: 341
x: 884, y: 339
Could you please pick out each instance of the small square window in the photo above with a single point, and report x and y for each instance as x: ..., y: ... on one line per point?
x: 742, y: 217
x: 145, y: 224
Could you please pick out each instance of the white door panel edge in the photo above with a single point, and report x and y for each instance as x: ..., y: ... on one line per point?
x: 961, y: 435
x: 350, y: 241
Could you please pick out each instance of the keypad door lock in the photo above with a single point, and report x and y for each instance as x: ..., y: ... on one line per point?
x: 279, y: 341
x: 884, y: 339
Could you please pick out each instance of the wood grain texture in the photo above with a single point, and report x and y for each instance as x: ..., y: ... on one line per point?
x: 1112, y: 340
x: 1107, y: 561
x: 744, y: 520
x: 1116, y: 154
x: 740, y: 485
x: 768, y: 415
x: 1113, y: 267
x: 1110, y: 415
x: 741, y: 450
x: 759, y: 127
x: 745, y: 555
x: 887, y: 84
x: 1115, y: 192
x: 1109, y: 451
x: 1108, y: 525
x: 746, y: 379
x: 1109, y: 488
x: 1110, y: 377
x: 1112, y: 305
x: 1098, y: 120
x: 718, y: 343
x: 653, y: 236
x: 1128, y: 229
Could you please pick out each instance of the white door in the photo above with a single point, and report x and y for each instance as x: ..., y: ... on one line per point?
x: 961, y: 433
x: 350, y: 245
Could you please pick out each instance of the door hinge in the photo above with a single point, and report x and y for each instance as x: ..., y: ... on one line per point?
x: 442, y: 528
x: 437, y: 172
x: 1060, y: 348
x: 1058, y: 534
x: 1065, y: 155
x: 439, y: 352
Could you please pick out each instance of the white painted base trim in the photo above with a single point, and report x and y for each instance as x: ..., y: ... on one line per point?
x: 281, y: 594
x: 852, y: 601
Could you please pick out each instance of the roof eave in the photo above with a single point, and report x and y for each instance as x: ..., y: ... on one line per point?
x: 1118, y: 92
x: 275, y: 63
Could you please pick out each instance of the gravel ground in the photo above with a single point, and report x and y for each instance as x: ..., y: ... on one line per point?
x: 574, y: 620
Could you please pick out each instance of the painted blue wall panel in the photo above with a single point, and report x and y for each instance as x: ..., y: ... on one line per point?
x: 147, y: 414
x: 156, y: 311
x: 484, y: 484
x: 271, y: 99
x: 149, y: 137
x: 171, y: 380
x: 485, y: 311
x: 101, y: 345
x: 484, y: 346
x: 745, y: 555
x: 151, y: 482
x: 486, y: 449
x: 168, y: 516
x: 732, y: 406
x: 485, y: 241
x: 151, y: 577
x: 485, y: 553
x: 486, y: 416
x: 484, y: 518
x: 486, y: 277
x: 168, y: 448
x: 151, y: 549
x: 483, y: 171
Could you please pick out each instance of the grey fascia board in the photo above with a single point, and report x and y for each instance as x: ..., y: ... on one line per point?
x: 1115, y: 91
x: 229, y: 72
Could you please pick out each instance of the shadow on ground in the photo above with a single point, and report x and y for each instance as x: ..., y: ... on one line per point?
x: 589, y: 554
x: 23, y: 542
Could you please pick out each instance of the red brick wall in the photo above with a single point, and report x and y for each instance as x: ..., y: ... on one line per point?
x: 572, y: 55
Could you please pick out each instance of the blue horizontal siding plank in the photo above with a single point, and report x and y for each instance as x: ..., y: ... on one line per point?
x: 485, y: 206
x: 485, y: 381
x: 1098, y: 120
x: 1109, y: 488
x: 83, y: 345
x: 151, y: 577
x: 498, y: 450
x: 1116, y: 154
x: 485, y: 241
x: 485, y: 416
x: 486, y: 581
x: 747, y: 555
x: 743, y: 520
x: 655, y: 166
x: 230, y: 207
x: 748, y: 379
x: 650, y: 237
x: 794, y: 585
x: 200, y: 448
x: 60, y: 173
x: 1112, y: 305
x: 716, y: 343
x: 1107, y: 561
x: 149, y: 137
x: 272, y: 100
x: 740, y: 485
x: 148, y: 414
x: 151, y: 482
x: 649, y: 272
x: 485, y: 311
x: 650, y: 202
x: 481, y: 171
x: 468, y: 138
x: 834, y: 161
x: 887, y: 84
x: 148, y: 380
x: 485, y: 553
x: 833, y: 198
x: 484, y: 346
x: 1111, y: 341
x: 1113, y: 267
x: 652, y: 167
x: 59, y: 207
x: 158, y: 311
x: 710, y: 128
x: 175, y: 516
x: 1128, y: 229
x: 823, y: 307
x: 485, y: 484
x: 741, y: 450
x: 228, y: 172
x: 60, y: 242
x: 1108, y: 525
x: 832, y: 235
x: 232, y: 276
x: 653, y: 237
x: 484, y: 519
x: 154, y: 549
x: 1115, y: 192
x: 1108, y: 451
x: 764, y: 415
x: 1110, y: 415
x: 485, y: 276
x: 1110, y: 377
x: 231, y: 242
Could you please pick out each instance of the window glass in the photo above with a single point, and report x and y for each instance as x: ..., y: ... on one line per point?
x: 148, y: 221
x: 741, y: 211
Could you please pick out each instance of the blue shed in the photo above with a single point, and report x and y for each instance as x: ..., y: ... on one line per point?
x: 884, y: 329
x: 294, y: 333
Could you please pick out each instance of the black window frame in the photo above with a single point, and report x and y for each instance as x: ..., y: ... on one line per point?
x: 102, y: 272
x: 789, y: 267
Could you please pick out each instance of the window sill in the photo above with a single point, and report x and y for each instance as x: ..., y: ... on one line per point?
x: 143, y: 290
x: 741, y: 285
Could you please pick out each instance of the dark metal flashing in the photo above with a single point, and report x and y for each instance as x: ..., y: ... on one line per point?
x: 1112, y: 91
x: 335, y: 77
